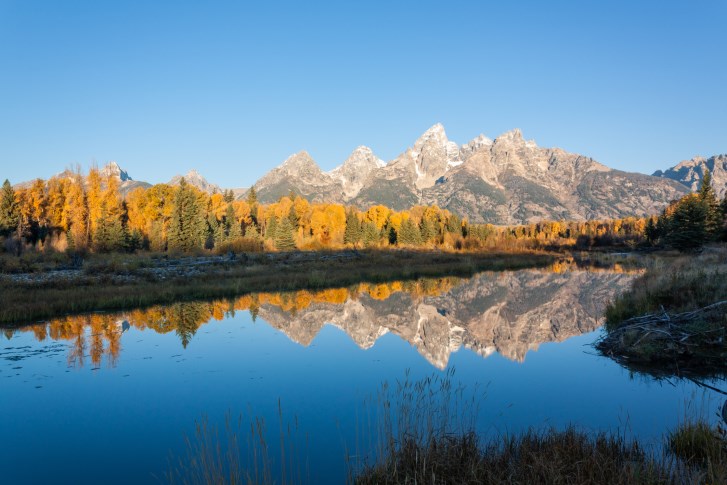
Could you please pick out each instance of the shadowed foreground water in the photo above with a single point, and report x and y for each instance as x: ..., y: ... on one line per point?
x: 110, y: 398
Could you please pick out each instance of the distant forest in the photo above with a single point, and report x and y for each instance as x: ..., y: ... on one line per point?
x: 80, y: 214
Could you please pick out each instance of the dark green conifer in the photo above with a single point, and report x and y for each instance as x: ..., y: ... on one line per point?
x: 233, y: 227
x: 110, y: 234
x: 293, y: 217
x: 252, y: 197
x: 713, y: 221
x: 369, y: 234
x: 650, y: 232
x: 186, y: 227
x: 352, y: 233
x: 9, y: 211
x: 284, y: 239
x: 427, y: 230
x: 271, y: 228
x: 252, y: 231
x: 393, y: 236
x: 687, y: 226
x: 218, y: 230
x: 409, y: 233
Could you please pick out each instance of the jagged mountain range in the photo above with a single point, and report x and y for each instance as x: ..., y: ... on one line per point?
x: 510, y: 313
x: 508, y: 180
x: 691, y: 172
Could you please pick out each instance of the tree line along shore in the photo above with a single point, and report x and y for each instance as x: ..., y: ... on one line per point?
x: 80, y: 214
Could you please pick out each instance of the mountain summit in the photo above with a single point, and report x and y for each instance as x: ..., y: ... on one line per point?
x: 195, y: 179
x: 510, y: 180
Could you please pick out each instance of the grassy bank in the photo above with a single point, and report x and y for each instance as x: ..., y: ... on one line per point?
x: 674, y: 317
x: 131, y: 282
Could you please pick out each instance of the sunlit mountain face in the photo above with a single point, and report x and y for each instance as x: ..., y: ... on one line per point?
x: 510, y: 313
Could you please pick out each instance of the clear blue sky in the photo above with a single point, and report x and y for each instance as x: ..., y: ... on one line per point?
x: 162, y: 87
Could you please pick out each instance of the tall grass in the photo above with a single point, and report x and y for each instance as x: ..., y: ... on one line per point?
x: 411, y: 413
x: 241, y: 454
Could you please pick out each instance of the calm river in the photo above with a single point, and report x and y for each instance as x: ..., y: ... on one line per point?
x: 111, y: 398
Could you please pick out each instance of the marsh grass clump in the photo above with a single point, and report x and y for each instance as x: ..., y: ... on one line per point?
x: 568, y: 456
x: 697, y: 442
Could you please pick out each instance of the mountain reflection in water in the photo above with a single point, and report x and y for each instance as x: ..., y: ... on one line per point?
x: 509, y: 313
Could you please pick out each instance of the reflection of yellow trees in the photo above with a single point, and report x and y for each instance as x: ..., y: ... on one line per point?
x: 98, y: 336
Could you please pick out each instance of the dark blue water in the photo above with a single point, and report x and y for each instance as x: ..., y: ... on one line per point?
x: 98, y: 403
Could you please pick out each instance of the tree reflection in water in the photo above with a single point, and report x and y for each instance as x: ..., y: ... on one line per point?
x: 507, y: 312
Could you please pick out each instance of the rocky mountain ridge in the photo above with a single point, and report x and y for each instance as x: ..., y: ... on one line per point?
x: 508, y: 180
x: 691, y: 172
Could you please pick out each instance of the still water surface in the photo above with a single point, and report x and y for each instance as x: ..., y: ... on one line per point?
x: 110, y: 398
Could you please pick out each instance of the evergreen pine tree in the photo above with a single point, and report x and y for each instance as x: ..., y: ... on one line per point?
x: 136, y: 240
x: 218, y: 230
x: 101, y: 237
x: 271, y: 228
x: 409, y: 233
x: 293, y: 217
x: 687, y: 227
x: 119, y: 235
x: 186, y: 226
x: 393, y: 236
x: 211, y: 232
x: 251, y: 197
x: 233, y: 228
x: 109, y: 234
x: 252, y: 202
x: 252, y: 231
x: 9, y: 211
x: 714, y: 214
x: 352, y: 233
x: 427, y: 230
x: 650, y: 232
x: 369, y: 234
x: 284, y: 240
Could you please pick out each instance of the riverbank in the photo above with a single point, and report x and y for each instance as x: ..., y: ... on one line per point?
x: 133, y: 281
x: 673, y: 321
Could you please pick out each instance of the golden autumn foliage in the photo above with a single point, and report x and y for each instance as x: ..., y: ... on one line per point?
x: 79, y: 210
